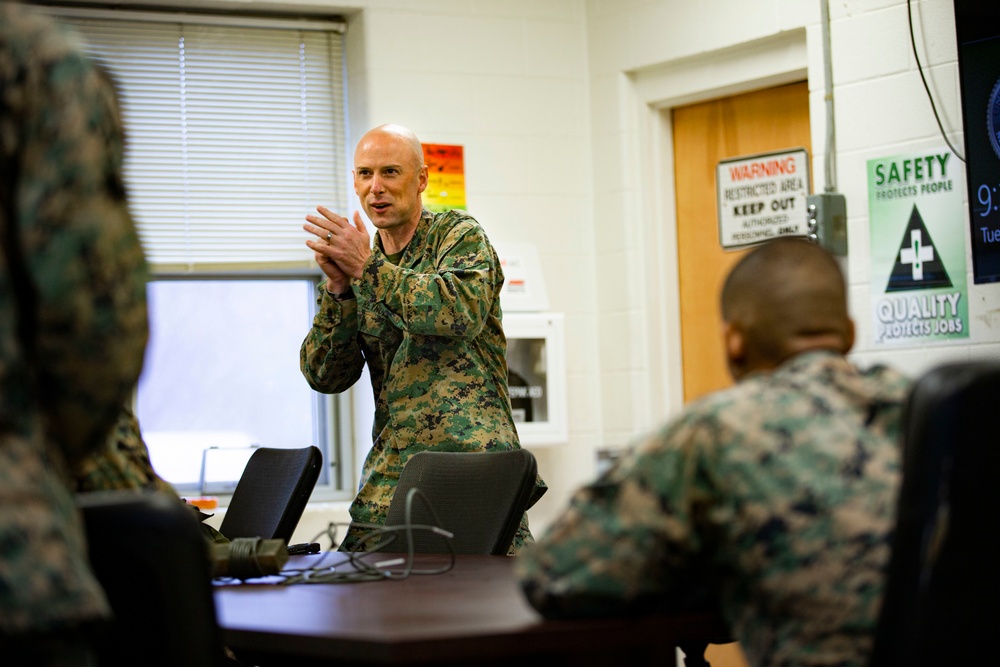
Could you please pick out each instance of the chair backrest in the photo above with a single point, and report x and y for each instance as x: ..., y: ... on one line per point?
x: 943, y: 586
x: 272, y: 493
x: 480, y: 497
x: 152, y: 559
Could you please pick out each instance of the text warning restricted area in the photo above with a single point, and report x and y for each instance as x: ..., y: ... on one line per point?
x: 761, y: 197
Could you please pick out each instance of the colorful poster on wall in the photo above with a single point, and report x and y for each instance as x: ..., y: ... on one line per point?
x: 445, y: 177
x: 917, y: 229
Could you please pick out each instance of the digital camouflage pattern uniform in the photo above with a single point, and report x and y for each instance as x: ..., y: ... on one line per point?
x: 779, y: 493
x: 123, y: 462
x: 431, y: 333
x: 72, y: 313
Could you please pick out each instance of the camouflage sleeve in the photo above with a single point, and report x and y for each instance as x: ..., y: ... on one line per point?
x: 623, y: 538
x: 453, y: 301
x: 330, y: 357
x: 81, y: 253
x: 122, y: 463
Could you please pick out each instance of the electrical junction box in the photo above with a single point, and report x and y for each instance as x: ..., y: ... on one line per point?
x: 826, y: 221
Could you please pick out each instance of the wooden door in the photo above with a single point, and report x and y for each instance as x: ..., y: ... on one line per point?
x: 705, y: 133
x: 758, y: 122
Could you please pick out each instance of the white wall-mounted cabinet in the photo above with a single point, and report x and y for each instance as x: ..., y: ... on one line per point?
x: 536, y: 362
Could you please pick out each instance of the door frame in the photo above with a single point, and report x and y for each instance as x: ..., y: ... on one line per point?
x: 764, y: 63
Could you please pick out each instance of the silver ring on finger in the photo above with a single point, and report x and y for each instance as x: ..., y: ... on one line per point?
x: 329, y: 235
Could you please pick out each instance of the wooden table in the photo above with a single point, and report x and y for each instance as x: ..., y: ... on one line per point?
x: 474, y: 614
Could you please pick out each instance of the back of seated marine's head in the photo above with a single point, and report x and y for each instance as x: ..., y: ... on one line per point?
x: 784, y: 297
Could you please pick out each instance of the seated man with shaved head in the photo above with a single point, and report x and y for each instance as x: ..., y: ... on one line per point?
x: 776, y: 495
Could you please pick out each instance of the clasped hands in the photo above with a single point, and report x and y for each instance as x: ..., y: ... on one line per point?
x: 341, y: 248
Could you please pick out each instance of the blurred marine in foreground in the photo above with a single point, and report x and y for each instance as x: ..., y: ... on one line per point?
x: 73, y: 327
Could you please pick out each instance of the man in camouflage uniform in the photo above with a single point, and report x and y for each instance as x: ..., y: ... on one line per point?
x: 123, y: 462
x: 72, y: 327
x: 420, y: 306
x: 775, y: 496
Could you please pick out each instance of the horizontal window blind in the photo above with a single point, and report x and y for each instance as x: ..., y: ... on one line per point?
x: 234, y: 134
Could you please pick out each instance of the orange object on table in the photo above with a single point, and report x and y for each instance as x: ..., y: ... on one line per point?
x: 204, y: 502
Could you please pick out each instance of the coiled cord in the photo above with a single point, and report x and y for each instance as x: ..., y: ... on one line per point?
x: 243, y: 561
x: 362, y: 570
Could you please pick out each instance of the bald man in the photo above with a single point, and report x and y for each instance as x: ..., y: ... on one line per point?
x: 775, y: 496
x: 421, y: 307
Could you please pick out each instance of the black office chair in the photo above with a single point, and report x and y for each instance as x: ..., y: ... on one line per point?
x: 150, y: 556
x: 272, y: 493
x: 942, y: 597
x: 480, y: 497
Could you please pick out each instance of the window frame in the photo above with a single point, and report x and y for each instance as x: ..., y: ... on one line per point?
x: 332, y: 412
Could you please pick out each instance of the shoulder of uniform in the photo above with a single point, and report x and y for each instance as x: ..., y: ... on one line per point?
x: 455, y: 219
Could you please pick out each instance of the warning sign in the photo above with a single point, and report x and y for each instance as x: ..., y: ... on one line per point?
x: 762, y: 197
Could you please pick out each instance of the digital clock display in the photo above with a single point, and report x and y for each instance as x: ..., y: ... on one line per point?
x: 987, y: 204
x: 977, y: 26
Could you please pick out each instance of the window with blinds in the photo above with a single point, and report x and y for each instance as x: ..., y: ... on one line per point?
x: 235, y: 131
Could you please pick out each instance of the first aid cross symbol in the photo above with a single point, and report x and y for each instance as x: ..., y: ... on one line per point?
x: 916, y: 254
